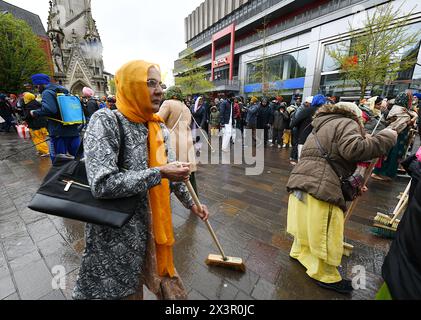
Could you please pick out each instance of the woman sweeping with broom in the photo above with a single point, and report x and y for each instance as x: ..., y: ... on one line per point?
x: 117, y: 262
x: 317, y: 204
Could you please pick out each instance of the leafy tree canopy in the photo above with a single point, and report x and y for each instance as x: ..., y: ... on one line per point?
x: 21, y: 54
x: 193, y: 78
x: 378, y: 51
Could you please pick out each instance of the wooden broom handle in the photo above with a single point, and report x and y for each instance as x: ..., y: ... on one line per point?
x: 366, y: 178
x: 400, y: 210
x: 212, y: 232
x: 403, y: 202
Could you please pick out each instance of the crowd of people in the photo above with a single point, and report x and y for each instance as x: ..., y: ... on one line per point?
x: 36, y: 108
x: 288, y: 125
x: 328, y: 139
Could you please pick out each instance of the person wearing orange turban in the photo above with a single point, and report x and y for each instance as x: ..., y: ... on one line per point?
x: 127, y: 154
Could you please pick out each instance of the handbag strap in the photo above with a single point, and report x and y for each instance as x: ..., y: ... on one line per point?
x: 80, y: 151
x: 325, y: 154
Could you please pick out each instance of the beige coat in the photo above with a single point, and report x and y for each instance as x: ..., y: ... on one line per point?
x: 177, y: 118
x: 400, y: 118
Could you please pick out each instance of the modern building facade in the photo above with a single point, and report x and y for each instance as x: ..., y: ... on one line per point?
x: 76, y: 46
x: 232, y: 38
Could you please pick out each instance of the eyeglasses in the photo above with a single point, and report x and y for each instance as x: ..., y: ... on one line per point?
x: 153, y: 84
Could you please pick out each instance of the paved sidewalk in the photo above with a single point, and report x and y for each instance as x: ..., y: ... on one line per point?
x: 248, y: 213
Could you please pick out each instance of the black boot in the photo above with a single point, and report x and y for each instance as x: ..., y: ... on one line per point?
x: 344, y: 286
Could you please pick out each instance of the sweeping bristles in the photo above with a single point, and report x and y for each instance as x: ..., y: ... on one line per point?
x: 383, y: 228
x: 216, y: 260
x: 385, y: 220
x: 383, y: 233
x: 386, y: 226
x: 230, y: 262
x: 348, y: 249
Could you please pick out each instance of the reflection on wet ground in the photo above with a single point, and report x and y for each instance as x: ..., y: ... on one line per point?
x: 248, y: 214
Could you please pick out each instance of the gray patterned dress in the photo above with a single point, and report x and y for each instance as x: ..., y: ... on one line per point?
x: 114, y: 259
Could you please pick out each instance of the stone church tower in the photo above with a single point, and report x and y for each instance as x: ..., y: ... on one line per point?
x: 76, y: 46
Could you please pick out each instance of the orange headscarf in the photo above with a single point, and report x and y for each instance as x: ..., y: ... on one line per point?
x: 133, y: 101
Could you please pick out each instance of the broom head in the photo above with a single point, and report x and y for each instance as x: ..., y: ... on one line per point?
x: 230, y: 262
x: 348, y: 249
x: 383, y: 228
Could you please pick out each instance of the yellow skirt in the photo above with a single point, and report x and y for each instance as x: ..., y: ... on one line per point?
x: 318, y: 230
x: 38, y: 136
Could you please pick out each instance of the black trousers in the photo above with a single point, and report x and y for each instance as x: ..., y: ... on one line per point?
x: 278, y: 136
x: 294, y: 150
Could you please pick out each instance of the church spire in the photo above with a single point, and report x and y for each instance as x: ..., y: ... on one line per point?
x: 76, y: 45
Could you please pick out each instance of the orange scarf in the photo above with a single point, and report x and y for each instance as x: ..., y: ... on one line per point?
x: 133, y: 101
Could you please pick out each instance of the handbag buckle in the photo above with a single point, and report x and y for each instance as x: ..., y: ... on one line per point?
x: 68, y: 186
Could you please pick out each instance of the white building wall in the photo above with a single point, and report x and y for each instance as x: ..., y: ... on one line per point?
x: 316, y: 39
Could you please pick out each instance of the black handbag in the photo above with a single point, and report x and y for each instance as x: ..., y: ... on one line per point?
x: 65, y: 192
x: 351, y: 186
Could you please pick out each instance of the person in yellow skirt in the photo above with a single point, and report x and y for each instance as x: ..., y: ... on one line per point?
x: 317, y: 205
x: 37, y: 127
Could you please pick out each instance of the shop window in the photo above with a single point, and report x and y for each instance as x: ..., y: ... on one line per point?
x: 282, y: 67
x: 329, y: 64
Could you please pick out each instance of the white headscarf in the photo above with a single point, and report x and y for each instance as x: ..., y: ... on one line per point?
x: 372, y: 106
x: 351, y: 107
x: 196, y: 104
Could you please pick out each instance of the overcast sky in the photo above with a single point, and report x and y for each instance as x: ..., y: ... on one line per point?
x: 151, y: 30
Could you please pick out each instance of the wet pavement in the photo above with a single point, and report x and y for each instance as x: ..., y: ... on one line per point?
x: 248, y: 214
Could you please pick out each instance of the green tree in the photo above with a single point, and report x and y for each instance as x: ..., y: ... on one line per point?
x: 112, y: 87
x: 193, y: 77
x: 21, y: 54
x: 376, y: 54
x: 262, y: 73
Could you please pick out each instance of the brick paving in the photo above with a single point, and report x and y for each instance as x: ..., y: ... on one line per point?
x: 248, y: 214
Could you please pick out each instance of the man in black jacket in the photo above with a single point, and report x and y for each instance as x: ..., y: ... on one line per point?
x: 265, y: 119
x: 303, y: 119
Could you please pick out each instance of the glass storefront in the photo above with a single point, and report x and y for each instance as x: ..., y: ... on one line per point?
x: 332, y: 81
x: 277, y: 68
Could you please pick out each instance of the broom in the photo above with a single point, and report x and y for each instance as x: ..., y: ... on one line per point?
x: 386, y: 226
x: 217, y: 260
x: 348, y: 248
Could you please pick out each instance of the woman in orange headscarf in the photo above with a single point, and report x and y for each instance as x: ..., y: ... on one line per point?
x: 118, y: 262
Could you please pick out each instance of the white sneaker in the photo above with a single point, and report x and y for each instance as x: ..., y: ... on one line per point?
x: 284, y: 146
x: 279, y: 146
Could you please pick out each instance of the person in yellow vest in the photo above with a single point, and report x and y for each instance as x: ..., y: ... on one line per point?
x: 37, y: 127
x: 136, y: 162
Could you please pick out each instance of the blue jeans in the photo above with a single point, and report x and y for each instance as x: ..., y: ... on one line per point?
x: 66, y: 145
